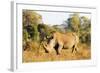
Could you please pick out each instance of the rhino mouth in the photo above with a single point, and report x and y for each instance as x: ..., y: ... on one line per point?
x: 55, y: 47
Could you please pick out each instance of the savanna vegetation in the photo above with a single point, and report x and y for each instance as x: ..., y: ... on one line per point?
x: 35, y: 33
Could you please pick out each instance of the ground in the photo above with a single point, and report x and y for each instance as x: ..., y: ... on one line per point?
x: 83, y: 53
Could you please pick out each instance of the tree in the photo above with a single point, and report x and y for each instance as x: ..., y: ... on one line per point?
x: 31, y: 17
x: 85, y: 30
x: 74, y: 22
x: 85, y: 22
x: 31, y: 20
x: 36, y: 33
x: 81, y: 25
x: 25, y: 35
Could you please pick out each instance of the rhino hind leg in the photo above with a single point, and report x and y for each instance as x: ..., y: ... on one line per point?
x: 74, y: 48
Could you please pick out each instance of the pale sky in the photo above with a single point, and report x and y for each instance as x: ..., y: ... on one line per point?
x: 58, y: 18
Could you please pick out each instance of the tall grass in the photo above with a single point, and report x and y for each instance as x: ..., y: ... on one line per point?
x: 36, y: 53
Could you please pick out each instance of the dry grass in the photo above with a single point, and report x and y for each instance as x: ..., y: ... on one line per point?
x: 83, y: 53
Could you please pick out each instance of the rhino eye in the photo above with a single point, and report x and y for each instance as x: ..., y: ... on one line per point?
x: 51, y: 37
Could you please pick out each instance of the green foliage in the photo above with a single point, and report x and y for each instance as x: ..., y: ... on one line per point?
x: 47, y: 29
x: 25, y: 35
x: 35, y: 33
x: 31, y: 17
x: 80, y: 25
x: 57, y: 29
x: 85, y: 30
x: 74, y: 22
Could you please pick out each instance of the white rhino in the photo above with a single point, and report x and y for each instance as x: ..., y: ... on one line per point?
x: 58, y: 41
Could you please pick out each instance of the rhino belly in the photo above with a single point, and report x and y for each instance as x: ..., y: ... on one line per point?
x: 68, y: 45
